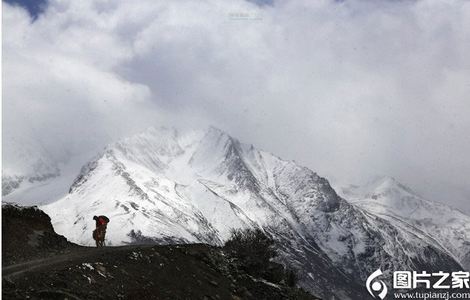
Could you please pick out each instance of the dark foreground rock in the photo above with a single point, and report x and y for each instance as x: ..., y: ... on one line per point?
x: 27, y: 234
x: 52, y: 268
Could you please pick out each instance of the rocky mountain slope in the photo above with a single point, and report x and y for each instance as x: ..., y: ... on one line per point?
x: 165, y: 186
x: 47, y: 266
x: 27, y: 229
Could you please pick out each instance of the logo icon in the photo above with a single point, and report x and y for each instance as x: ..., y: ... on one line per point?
x: 376, y: 286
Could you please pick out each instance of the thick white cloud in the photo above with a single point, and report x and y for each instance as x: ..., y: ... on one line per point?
x: 351, y: 89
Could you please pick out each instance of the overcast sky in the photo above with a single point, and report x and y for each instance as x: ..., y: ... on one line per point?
x: 351, y: 89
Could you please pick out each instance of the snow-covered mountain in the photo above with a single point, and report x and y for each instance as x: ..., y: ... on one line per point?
x: 25, y: 162
x: 197, y: 186
x: 401, y: 206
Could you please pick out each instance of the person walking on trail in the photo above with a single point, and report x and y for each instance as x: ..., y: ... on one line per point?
x: 100, y: 232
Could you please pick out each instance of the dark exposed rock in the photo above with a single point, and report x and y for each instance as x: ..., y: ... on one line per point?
x: 27, y: 233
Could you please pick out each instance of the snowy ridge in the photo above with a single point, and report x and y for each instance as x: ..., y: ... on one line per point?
x: 196, y: 187
x: 391, y: 200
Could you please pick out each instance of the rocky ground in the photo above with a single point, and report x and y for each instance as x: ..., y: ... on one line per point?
x: 39, y: 264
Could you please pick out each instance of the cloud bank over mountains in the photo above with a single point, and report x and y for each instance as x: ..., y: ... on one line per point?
x: 350, y: 89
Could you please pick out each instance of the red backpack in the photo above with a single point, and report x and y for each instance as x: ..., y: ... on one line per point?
x: 103, y: 220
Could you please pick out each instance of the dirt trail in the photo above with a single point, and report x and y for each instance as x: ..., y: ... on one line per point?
x: 76, y: 256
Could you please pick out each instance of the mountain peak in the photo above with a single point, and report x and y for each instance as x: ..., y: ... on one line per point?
x: 162, y: 141
x: 199, y: 190
x: 387, y: 184
x: 378, y: 187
